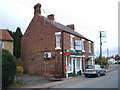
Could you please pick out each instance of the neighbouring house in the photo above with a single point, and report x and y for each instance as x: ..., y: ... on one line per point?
x: 6, y: 41
x: 111, y: 61
x: 49, y: 48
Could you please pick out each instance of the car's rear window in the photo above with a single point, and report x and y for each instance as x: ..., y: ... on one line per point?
x: 90, y: 67
x: 97, y: 66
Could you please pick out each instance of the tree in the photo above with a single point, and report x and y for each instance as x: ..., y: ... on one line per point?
x: 104, y: 61
x: 10, y: 32
x: 17, y: 36
x: 8, y: 68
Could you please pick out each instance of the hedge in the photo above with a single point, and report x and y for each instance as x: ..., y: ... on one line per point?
x: 8, y: 68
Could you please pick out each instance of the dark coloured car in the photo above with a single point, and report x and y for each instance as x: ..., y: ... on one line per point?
x: 95, y: 70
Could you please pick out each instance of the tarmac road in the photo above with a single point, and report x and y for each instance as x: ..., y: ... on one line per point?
x: 110, y: 80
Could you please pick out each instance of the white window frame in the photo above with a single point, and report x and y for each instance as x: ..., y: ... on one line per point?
x: 58, y: 35
x: 79, y: 59
x: 90, y: 50
x: 92, y: 60
x: 83, y: 50
x: 2, y: 44
x: 68, y: 65
x: 72, y: 42
x: 78, y: 63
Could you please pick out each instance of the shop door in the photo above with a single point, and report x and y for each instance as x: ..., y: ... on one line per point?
x: 74, y: 74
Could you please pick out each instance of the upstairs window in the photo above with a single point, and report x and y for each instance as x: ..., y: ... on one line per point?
x: 83, y: 44
x: 79, y: 45
x: 90, y: 47
x: 72, y: 42
x: 58, y: 34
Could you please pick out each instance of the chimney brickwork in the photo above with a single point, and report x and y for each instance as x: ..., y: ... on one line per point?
x: 71, y: 26
x: 51, y: 17
x: 37, y: 9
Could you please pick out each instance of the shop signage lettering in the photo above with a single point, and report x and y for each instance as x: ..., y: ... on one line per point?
x: 78, y: 45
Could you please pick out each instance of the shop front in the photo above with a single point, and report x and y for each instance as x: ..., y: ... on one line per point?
x: 74, y: 65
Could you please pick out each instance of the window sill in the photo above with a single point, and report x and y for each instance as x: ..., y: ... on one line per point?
x: 90, y: 52
x: 72, y: 49
x: 83, y: 50
x: 57, y: 48
x: 69, y: 71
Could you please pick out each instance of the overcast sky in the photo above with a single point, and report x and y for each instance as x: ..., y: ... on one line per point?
x: 89, y: 17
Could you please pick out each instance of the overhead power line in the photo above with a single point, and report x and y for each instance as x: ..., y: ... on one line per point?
x: 66, y: 19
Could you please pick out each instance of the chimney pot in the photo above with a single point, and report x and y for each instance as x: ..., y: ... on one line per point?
x: 51, y: 17
x: 37, y: 9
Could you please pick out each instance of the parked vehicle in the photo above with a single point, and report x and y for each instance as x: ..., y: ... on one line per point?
x: 95, y: 70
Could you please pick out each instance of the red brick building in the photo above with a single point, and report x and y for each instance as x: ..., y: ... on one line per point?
x: 45, y: 43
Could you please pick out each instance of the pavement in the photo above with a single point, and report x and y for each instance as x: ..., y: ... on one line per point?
x: 44, y: 82
x: 112, y: 67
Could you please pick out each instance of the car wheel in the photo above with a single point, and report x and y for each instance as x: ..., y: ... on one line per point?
x: 98, y: 74
x: 86, y: 75
x: 104, y: 73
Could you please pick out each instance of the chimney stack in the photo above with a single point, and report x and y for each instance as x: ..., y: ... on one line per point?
x: 51, y: 17
x: 37, y: 9
x: 71, y: 26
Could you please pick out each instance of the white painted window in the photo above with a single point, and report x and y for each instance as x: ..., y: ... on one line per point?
x: 83, y: 44
x: 91, y: 61
x: 58, y: 35
x: 1, y: 44
x: 90, y: 47
x: 69, y: 64
x: 72, y: 42
x: 78, y: 64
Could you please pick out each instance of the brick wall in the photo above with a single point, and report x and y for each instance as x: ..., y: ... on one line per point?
x: 40, y: 38
x: 66, y: 37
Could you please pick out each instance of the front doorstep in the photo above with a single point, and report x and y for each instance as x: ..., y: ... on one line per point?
x: 73, y: 75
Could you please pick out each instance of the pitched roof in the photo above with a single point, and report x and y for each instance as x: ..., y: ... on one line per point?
x: 4, y: 35
x: 64, y: 28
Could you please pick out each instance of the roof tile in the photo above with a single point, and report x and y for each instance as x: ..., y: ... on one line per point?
x: 4, y: 35
x: 64, y: 28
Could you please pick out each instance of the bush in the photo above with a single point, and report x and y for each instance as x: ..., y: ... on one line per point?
x: 19, y: 71
x: 8, y: 68
x: 104, y: 61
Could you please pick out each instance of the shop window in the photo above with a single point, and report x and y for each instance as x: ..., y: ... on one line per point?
x: 69, y: 64
x: 78, y: 64
x: 58, y: 34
